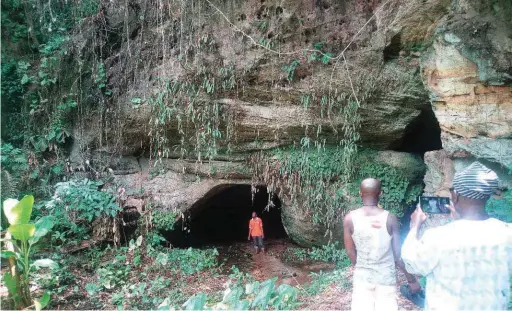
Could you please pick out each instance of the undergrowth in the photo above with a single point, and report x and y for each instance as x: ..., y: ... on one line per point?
x: 320, y: 185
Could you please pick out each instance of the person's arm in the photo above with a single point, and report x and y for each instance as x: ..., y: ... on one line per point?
x: 250, y: 229
x: 420, y: 256
x: 262, y: 233
x: 348, y: 230
x: 394, y: 230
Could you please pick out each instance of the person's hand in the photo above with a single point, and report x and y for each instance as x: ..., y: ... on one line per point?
x: 415, y: 287
x: 248, y: 238
x: 453, y: 212
x: 418, y: 217
x: 262, y: 237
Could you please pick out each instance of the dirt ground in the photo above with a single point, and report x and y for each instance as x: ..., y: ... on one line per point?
x: 261, y: 266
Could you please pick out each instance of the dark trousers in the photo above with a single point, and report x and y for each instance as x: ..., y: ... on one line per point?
x: 258, y: 241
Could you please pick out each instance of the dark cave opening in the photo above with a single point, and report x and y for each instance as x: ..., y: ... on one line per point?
x: 421, y: 135
x: 223, y: 218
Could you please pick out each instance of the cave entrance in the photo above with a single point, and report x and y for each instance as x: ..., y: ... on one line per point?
x: 421, y: 135
x: 222, y: 217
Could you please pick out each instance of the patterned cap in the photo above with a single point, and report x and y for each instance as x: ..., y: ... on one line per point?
x: 475, y: 182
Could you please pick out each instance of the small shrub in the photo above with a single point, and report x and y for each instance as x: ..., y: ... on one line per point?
x: 75, y: 205
x: 163, y: 220
x: 331, y: 252
x: 190, y: 261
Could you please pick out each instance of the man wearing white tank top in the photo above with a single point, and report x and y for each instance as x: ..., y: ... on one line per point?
x: 372, y: 241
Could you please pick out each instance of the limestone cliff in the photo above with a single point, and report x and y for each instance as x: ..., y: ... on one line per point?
x: 263, y: 74
x: 468, y: 73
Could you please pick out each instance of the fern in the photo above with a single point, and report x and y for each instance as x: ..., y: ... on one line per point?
x: 9, y: 185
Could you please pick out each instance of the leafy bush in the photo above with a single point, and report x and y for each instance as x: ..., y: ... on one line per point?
x: 190, y: 261
x: 76, y: 204
x: 296, y: 254
x: 163, y: 220
x: 254, y: 296
x: 331, y: 252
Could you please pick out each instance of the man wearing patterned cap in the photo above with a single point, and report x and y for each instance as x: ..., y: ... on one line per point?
x: 468, y: 262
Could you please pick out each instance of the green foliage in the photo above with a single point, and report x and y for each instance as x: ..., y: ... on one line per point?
x: 252, y: 296
x: 58, y: 279
x: 39, y: 88
x: 290, y: 69
x: 75, y: 205
x: 199, y: 121
x: 13, y: 160
x: 163, y: 220
x: 501, y: 208
x: 267, y: 43
x: 101, y: 80
x: 325, y: 58
x: 332, y: 252
x: 296, y: 254
x: 321, y: 281
x: 397, y: 189
x: 192, y: 260
x: 113, y: 274
x: 17, y: 248
x: 324, y: 182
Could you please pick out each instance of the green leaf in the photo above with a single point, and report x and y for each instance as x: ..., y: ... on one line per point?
x: 45, y: 263
x: 43, y: 226
x: 136, y: 100
x: 10, y: 283
x: 252, y: 287
x: 7, y: 254
x: 22, y: 232
x: 165, y: 305
x: 18, y: 212
x: 264, y: 294
x: 9, y: 205
x: 242, y: 305
x: 196, y: 302
x: 232, y: 296
x: 139, y: 241
x: 285, y: 293
x: 25, y: 79
x: 44, y: 300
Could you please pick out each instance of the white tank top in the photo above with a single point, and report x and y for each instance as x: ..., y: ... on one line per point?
x: 375, y: 262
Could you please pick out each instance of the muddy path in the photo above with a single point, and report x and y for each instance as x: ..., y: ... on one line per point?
x: 270, y: 264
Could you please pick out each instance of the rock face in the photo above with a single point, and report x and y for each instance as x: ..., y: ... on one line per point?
x: 467, y: 71
x: 267, y: 105
x: 272, y: 64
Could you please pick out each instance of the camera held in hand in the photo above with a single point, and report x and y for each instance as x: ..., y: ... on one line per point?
x: 435, y: 205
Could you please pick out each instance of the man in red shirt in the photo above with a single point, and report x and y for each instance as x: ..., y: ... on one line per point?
x: 256, y: 232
